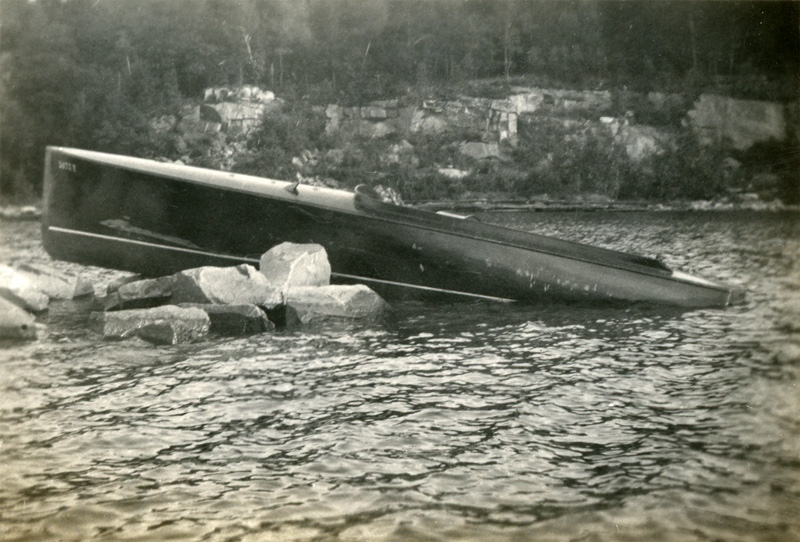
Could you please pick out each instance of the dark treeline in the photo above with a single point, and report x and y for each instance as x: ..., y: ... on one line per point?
x: 90, y: 73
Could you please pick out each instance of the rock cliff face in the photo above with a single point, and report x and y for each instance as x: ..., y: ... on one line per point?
x: 234, y: 112
x: 495, y: 118
x: 714, y: 119
x: 517, y: 135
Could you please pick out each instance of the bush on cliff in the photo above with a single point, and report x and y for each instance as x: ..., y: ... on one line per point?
x: 687, y: 172
x: 774, y: 167
x: 281, y: 136
x: 565, y: 159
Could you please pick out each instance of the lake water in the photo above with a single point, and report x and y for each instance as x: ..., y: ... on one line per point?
x: 447, y: 422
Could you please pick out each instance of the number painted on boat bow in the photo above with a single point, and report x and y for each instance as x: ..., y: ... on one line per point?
x: 67, y: 166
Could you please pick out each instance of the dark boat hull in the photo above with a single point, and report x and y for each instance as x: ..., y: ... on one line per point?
x: 156, y: 219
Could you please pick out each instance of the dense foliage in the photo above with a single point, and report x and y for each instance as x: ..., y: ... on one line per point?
x: 91, y: 73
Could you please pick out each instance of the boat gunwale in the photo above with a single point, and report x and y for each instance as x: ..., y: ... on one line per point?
x: 97, y: 158
x: 672, y: 276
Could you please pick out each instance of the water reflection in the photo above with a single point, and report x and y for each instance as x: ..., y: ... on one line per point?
x: 466, y: 421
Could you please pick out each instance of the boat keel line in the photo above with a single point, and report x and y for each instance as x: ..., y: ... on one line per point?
x: 242, y: 259
x: 424, y: 288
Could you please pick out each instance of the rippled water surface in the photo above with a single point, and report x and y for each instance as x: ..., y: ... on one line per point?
x: 447, y: 422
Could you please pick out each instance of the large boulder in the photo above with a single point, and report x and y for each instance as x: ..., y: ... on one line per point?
x: 15, y: 323
x: 292, y: 265
x: 162, y: 325
x: 140, y: 294
x: 56, y: 284
x: 425, y: 122
x: 315, y: 303
x: 237, y: 110
x: 20, y: 290
x: 453, y: 173
x: 400, y: 153
x: 234, y: 319
x: 242, y: 284
x: 641, y: 141
x: 479, y: 150
x: 741, y: 122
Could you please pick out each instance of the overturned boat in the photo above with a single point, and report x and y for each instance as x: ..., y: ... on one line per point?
x: 158, y: 218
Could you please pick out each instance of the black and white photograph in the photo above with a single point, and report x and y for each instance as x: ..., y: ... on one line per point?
x: 399, y: 270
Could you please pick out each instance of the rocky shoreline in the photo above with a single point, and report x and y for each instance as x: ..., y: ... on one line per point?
x: 290, y: 288
x: 21, y: 212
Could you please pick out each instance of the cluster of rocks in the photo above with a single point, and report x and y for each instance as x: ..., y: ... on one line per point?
x: 231, y: 110
x: 290, y: 288
x: 28, y: 289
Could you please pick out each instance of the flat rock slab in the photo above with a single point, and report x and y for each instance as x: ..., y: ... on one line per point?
x: 140, y: 294
x: 57, y: 284
x: 234, y: 319
x: 21, y: 290
x: 15, y: 323
x: 161, y: 325
x: 240, y: 285
x: 314, y: 303
x: 291, y: 265
x: 115, y: 284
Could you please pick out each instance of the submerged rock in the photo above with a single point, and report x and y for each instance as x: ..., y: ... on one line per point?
x: 789, y: 322
x: 56, y: 284
x: 242, y: 284
x: 234, y: 319
x: 20, y: 290
x: 160, y: 333
x: 291, y: 265
x: 15, y: 323
x: 311, y: 304
x: 161, y: 325
x: 787, y: 353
